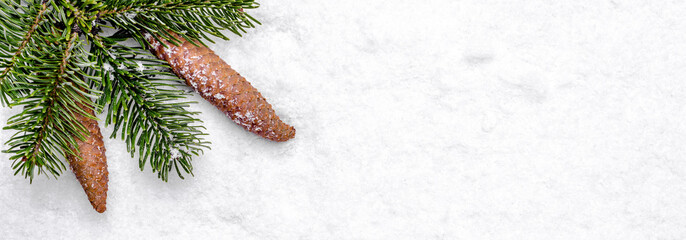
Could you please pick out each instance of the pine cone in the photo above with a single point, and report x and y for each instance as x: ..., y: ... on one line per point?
x: 91, y: 169
x: 219, y: 84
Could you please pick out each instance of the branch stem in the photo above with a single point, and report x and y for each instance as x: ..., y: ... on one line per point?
x: 33, y: 27
x: 51, y: 99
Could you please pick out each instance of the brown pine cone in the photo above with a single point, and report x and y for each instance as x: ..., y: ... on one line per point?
x: 219, y: 84
x: 91, y: 169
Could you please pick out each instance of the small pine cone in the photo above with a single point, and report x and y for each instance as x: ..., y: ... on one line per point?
x: 91, y: 169
x: 219, y: 84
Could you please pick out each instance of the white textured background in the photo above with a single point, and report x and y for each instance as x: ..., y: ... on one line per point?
x: 436, y: 119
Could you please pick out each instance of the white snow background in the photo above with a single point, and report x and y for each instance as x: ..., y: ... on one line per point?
x: 438, y: 119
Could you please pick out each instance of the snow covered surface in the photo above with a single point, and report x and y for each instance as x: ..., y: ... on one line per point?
x: 435, y: 119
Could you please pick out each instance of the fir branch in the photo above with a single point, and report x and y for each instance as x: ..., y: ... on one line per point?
x: 146, y: 110
x: 10, y: 11
x: 117, y: 7
x: 47, y: 127
x: 45, y: 68
x: 194, y: 19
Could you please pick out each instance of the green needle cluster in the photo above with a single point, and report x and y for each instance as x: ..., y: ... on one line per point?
x: 56, y: 61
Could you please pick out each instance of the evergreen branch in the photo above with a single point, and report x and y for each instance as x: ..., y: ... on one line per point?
x: 193, y: 19
x: 117, y: 7
x: 45, y: 68
x: 47, y: 127
x: 145, y: 108
x: 11, y: 63
x: 31, y: 158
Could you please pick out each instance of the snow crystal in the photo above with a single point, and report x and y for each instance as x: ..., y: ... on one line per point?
x: 170, y: 50
x: 249, y: 115
x: 140, y: 67
x: 155, y: 45
x: 206, y: 92
x: 219, y: 96
x: 238, y: 115
x: 237, y: 121
x: 131, y: 15
x: 175, y: 153
x: 107, y: 67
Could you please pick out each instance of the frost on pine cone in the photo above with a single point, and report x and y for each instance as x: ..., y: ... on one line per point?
x: 225, y: 88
